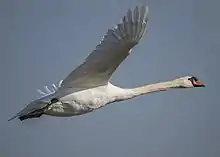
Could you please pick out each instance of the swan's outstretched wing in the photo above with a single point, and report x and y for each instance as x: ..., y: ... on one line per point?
x: 112, y: 50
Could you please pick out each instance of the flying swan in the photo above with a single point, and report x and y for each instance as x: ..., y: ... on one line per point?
x: 87, y: 88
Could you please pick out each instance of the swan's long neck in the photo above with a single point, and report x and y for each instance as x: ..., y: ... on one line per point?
x: 157, y: 87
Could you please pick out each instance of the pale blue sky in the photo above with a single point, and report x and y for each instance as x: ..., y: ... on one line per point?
x: 42, y: 41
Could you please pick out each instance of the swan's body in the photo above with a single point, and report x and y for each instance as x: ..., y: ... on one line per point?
x: 88, y: 100
x: 88, y: 88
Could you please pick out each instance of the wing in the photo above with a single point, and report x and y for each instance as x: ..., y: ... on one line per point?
x: 107, y: 56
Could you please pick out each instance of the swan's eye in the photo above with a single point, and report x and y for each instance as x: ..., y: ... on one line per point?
x: 193, y: 78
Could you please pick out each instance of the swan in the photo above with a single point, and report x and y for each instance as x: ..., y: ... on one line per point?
x: 88, y: 87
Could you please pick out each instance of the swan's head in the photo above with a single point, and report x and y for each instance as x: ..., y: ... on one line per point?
x: 189, y: 82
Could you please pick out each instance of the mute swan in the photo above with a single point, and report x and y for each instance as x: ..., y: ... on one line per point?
x: 87, y: 88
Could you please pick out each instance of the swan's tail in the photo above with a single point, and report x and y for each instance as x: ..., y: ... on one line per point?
x: 36, y: 108
x: 33, y: 110
x: 34, y: 114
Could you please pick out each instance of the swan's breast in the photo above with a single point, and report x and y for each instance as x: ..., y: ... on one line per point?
x: 80, y: 102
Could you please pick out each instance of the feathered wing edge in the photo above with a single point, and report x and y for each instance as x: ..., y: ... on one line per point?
x: 132, y: 27
x: 50, y: 91
x: 134, y: 24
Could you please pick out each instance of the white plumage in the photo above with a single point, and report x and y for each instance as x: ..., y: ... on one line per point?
x: 88, y: 88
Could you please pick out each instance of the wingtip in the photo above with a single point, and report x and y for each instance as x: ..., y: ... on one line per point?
x: 142, y: 9
x: 147, y: 8
x: 12, y: 118
x: 143, y: 6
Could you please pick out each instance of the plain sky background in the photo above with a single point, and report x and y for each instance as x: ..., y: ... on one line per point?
x: 42, y: 41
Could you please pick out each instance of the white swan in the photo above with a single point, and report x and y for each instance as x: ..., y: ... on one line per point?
x: 88, y: 88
